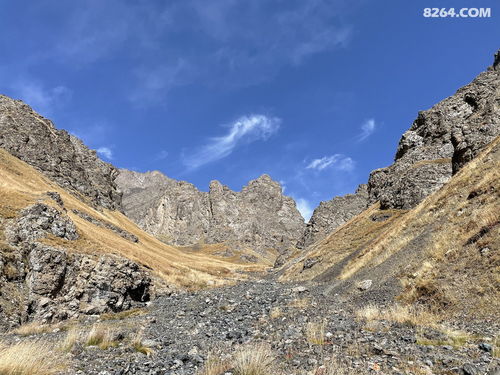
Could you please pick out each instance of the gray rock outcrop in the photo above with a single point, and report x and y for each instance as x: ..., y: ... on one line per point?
x: 51, y: 283
x: 258, y: 217
x: 440, y: 141
x: 333, y: 213
x: 60, y: 156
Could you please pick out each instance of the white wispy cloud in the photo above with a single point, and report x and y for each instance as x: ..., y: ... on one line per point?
x: 105, y: 152
x: 304, y: 208
x: 367, y: 129
x: 245, y: 129
x: 337, y: 161
x: 42, y: 99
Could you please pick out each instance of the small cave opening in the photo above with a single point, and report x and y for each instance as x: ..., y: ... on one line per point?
x: 140, y: 293
x: 471, y: 100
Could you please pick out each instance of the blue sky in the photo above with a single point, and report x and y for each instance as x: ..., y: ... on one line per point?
x: 315, y: 93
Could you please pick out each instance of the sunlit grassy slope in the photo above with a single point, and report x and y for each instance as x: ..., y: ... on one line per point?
x: 22, y: 185
x: 444, y: 252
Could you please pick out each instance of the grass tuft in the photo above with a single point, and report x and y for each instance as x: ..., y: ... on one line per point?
x: 254, y: 360
x: 101, y: 337
x: 30, y: 358
x: 315, y: 333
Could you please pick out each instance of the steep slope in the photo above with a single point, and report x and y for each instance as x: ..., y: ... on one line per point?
x: 444, y: 252
x: 259, y: 217
x: 60, y: 257
x: 331, y: 214
x: 60, y: 156
x: 440, y: 141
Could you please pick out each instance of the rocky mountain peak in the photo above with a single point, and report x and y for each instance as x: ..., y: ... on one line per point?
x: 257, y: 217
x: 60, y: 156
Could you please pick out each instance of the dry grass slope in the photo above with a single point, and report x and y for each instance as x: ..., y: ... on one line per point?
x: 21, y: 185
x: 445, y: 251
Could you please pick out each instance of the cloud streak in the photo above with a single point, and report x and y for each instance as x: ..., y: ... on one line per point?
x: 337, y: 161
x: 105, y: 152
x: 367, y: 129
x: 246, y: 129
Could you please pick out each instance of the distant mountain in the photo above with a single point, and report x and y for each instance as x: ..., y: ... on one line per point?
x: 259, y: 217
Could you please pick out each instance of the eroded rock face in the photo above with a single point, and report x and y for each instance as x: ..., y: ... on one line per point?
x: 51, y: 283
x: 37, y: 221
x: 258, y: 217
x: 60, y: 156
x: 440, y: 141
x: 63, y: 285
x: 333, y: 213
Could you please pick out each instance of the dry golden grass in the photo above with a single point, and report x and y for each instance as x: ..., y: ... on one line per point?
x: 398, y: 313
x: 122, y: 314
x: 276, y: 312
x: 32, y: 328
x: 138, y: 345
x: 315, y: 333
x: 30, y: 358
x: 459, y: 215
x: 100, y: 336
x: 71, y: 338
x: 255, y: 359
x: 214, y: 365
x: 338, y: 366
x: 435, y: 250
x: 300, y: 303
x: 453, y: 338
x: 21, y: 185
x: 357, y: 233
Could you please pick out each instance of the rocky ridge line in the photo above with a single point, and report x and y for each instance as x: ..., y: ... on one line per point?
x: 60, y: 156
x: 259, y: 217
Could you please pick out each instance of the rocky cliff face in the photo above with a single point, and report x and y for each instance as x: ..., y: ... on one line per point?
x: 59, y: 155
x: 333, y: 213
x: 440, y: 141
x: 259, y: 217
x: 48, y: 283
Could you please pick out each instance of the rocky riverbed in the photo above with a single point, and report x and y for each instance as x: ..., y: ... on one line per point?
x: 302, y: 328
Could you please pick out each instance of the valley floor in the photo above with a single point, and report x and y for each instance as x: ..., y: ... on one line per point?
x: 286, y: 328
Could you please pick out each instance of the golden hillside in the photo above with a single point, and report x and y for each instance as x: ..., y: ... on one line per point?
x: 21, y: 185
x: 442, y: 252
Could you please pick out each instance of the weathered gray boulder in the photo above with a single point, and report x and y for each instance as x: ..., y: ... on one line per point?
x: 50, y: 283
x: 63, y: 285
x: 440, y: 141
x: 258, y: 217
x: 37, y: 221
x: 333, y: 213
x: 60, y: 156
